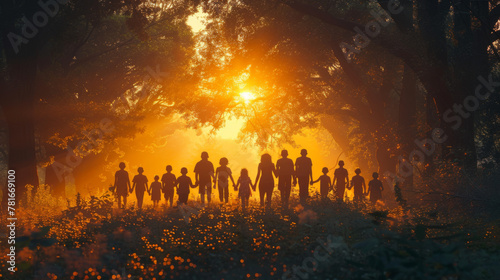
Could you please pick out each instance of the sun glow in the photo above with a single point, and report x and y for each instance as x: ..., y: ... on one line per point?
x: 247, y: 96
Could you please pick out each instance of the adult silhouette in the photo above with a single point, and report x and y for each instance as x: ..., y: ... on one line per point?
x: 303, y: 172
x: 122, y: 185
x: 141, y: 186
x: 204, y: 174
x: 285, y: 170
x: 375, y: 188
x: 265, y: 173
x: 340, y: 180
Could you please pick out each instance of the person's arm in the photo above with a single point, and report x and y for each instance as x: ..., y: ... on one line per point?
x: 311, y: 172
x: 191, y: 183
x: 237, y: 185
x: 128, y: 181
x: 258, y: 175
x: 114, y: 184
x: 347, y: 177
x: 364, y: 186
x: 314, y: 182
x: 133, y: 186
x: 275, y: 172
x: 216, y: 173
x: 232, y: 180
x: 381, y: 186
x: 215, y: 177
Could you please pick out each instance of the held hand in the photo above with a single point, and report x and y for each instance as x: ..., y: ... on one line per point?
x: 312, y: 182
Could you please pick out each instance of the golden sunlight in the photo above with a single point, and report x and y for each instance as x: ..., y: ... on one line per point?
x: 247, y: 96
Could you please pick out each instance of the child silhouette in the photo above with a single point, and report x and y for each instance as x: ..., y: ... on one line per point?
x: 168, y: 185
x: 325, y: 183
x: 358, y: 183
x: 155, y: 190
x: 221, y: 179
x: 184, y: 183
x: 244, y: 183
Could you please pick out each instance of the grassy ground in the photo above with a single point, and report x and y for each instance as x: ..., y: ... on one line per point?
x: 324, y: 240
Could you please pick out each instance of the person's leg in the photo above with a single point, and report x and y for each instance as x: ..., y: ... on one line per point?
x: 262, y: 194
x: 202, y: 192
x: 209, y: 192
x: 226, y: 193
x: 269, y: 195
x: 139, y: 199
x: 221, y: 192
x: 119, y: 197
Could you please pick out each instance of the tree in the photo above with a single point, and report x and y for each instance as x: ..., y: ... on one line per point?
x: 28, y: 45
x: 303, y: 61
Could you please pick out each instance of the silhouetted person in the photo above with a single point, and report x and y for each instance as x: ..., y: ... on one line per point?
x: 285, y: 170
x: 141, y: 185
x: 221, y: 179
x: 266, y: 186
x: 183, y: 185
x: 244, y: 183
x: 168, y: 185
x: 122, y: 185
x: 325, y: 183
x: 204, y: 173
x: 155, y: 190
x: 375, y: 188
x: 358, y: 183
x: 303, y: 172
x: 340, y: 181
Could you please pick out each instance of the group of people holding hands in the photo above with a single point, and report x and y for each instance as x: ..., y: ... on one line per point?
x: 287, y: 172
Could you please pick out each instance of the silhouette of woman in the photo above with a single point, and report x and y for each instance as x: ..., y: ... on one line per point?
x: 266, y: 186
x: 122, y: 185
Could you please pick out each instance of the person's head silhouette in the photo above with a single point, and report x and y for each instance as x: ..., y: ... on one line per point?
x: 223, y: 161
x: 121, y: 165
x: 266, y: 158
x: 375, y: 175
x: 140, y: 170
x: 357, y: 171
x: 204, y: 155
x: 325, y: 170
x: 303, y: 152
x: 284, y: 153
x: 169, y: 168
x: 157, y: 178
x: 184, y: 171
x: 341, y: 163
x: 244, y: 172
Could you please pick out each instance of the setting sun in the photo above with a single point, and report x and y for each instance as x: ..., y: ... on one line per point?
x: 247, y: 96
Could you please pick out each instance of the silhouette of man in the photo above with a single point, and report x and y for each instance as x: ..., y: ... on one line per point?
x: 303, y: 172
x: 285, y: 170
x: 204, y: 174
x: 340, y: 180
x: 122, y: 185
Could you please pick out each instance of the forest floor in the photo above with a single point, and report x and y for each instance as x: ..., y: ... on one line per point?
x: 323, y: 240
